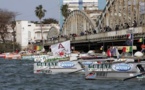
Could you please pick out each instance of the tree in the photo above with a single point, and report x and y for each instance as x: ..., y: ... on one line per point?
x: 40, y: 13
x: 13, y: 25
x: 49, y: 21
x: 35, y: 22
x: 5, y: 19
x: 65, y: 11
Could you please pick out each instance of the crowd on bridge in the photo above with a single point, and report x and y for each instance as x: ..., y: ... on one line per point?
x: 118, y: 27
x: 93, y: 31
x: 73, y: 35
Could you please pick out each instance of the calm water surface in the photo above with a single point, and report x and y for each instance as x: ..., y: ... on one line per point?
x: 18, y: 75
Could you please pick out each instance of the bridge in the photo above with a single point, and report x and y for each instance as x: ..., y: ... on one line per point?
x: 112, y: 26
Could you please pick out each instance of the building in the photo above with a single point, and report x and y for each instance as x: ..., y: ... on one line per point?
x: 92, y: 7
x: 82, y: 4
x: 27, y: 32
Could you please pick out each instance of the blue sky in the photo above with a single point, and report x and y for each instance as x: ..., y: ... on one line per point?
x: 26, y: 8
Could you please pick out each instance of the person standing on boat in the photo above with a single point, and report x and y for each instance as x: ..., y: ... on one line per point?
x: 17, y: 51
x: 117, y: 53
x: 114, y: 52
x: 143, y: 50
x: 109, y: 52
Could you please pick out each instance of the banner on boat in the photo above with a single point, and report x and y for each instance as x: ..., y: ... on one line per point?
x: 121, y: 47
x: 61, y: 49
x: 122, y: 67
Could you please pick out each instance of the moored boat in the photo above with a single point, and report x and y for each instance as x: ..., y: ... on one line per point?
x: 116, y: 69
x: 60, y: 62
x: 11, y: 56
x: 55, y: 67
x: 91, y: 55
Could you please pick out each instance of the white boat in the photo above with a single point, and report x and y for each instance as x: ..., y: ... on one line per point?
x: 123, y: 69
x: 59, y: 65
x: 35, y: 58
x: 55, y: 67
x: 91, y: 55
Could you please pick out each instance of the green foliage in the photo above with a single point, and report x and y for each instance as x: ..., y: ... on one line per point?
x: 65, y: 11
x: 13, y: 25
x: 46, y: 21
x: 8, y: 47
x: 35, y: 22
x: 49, y: 21
x: 40, y: 12
x: 6, y: 18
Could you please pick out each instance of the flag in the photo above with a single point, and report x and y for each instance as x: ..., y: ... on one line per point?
x: 129, y: 36
x: 38, y: 48
x: 140, y: 40
x: 101, y: 48
x: 61, y: 49
x: 127, y: 49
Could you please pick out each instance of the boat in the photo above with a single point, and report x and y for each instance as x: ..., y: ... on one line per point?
x: 91, y: 55
x: 122, y: 69
x: 27, y: 57
x: 10, y: 56
x: 60, y: 62
x: 55, y: 67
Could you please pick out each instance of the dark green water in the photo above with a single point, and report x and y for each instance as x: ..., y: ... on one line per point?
x: 18, y: 75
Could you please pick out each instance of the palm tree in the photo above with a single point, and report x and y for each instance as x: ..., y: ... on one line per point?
x: 13, y: 25
x: 65, y: 11
x: 40, y: 13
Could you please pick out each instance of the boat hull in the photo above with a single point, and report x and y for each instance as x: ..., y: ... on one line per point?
x: 114, y: 70
x: 57, y: 67
x: 112, y: 75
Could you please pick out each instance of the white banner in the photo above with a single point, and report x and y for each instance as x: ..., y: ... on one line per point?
x: 61, y: 49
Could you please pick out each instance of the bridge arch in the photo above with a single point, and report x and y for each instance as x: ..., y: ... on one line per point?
x: 53, y: 32
x: 77, y: 22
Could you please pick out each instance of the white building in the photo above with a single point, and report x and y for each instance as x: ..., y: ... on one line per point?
x: 27, y: 32
x: 89, y: 4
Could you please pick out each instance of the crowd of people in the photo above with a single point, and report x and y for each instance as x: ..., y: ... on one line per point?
x: 118, y: 27
x: 93, y: 31
x: 73, y: 35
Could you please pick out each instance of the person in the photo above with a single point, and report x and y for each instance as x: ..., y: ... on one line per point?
x: 82, y: 33
x: 16, y: 51
x: 109, y: 52
x: 143, y: 50
x: 114, y: 52
x: 94, y: 31
x: 117, y: 53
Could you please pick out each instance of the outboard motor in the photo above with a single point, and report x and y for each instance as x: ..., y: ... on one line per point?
x: 140, y: 68
x: 86, y: 70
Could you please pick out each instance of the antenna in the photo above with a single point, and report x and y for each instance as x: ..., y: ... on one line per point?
x: 60, y: 17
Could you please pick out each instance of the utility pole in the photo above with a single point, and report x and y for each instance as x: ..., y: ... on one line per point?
x: 60, y: 17
x: 131, y: 31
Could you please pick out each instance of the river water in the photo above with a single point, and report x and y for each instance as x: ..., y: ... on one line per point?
x: 18, y: 75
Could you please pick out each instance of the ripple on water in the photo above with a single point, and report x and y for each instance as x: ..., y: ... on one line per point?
x: 18, y: 75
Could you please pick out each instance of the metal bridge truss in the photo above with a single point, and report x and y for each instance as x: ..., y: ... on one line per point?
x: 122, y: 14
x: 77, y: 22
